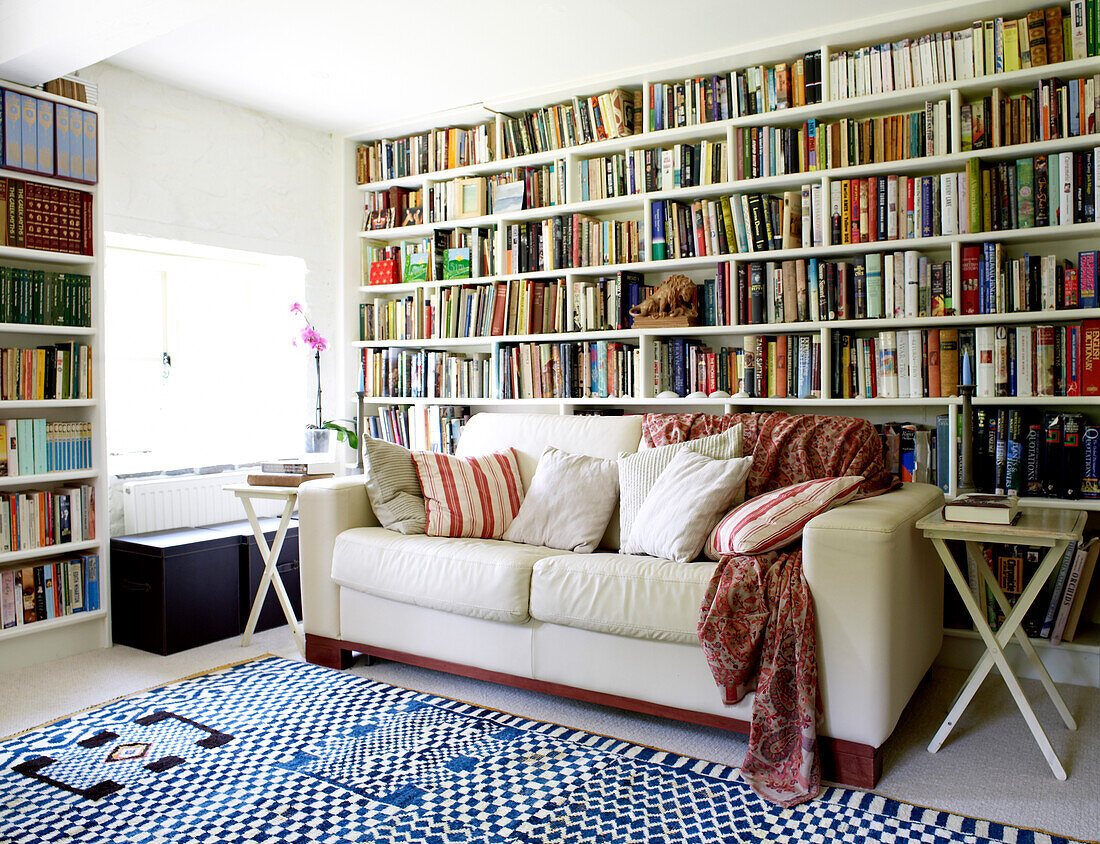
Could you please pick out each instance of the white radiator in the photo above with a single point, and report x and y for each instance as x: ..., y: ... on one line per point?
x: 185, y: 501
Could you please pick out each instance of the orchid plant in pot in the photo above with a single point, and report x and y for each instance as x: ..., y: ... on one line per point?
x: 318, y: 434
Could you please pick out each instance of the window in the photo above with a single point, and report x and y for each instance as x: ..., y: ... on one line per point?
x: 200, y: 365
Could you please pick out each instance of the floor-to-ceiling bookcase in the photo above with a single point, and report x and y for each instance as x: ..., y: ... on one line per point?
x: 1080, y: 660
x: 60, y: 634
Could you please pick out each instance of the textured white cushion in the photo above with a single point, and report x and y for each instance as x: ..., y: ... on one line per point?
x: 483, y: 578
x: 683, y: 506
x: 776, y: 519
x: 626, y: 595
x: 569, y: 502
x: 639, y: 472
x: 392, y: 487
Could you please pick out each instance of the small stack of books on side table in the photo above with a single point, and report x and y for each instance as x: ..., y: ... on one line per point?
x: 983, y: 509
x: 286, y: 473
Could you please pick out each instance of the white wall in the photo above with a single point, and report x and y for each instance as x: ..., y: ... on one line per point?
x: 177, y: 165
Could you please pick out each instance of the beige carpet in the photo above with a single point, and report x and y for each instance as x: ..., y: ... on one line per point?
x: 989, y: 768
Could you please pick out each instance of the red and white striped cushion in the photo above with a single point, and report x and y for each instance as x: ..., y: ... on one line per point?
x: 775, y: 519
x: 469, y: 496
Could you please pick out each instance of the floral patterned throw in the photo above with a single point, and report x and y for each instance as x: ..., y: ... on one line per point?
x: 756, y: 625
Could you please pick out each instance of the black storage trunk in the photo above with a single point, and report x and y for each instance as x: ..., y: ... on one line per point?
x: 252, y: 569
x: 175, y: 589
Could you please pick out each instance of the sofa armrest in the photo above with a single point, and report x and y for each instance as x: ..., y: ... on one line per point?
x: 877, y: 585
x: 326, y: 508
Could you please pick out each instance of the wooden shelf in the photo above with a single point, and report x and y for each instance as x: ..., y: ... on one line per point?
x: 51, y: 623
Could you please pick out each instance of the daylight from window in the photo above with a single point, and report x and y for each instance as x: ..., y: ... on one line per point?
x: 200, y: 366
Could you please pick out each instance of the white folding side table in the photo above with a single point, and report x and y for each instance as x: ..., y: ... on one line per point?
x: 1044, y: 527
x: 270, y: 555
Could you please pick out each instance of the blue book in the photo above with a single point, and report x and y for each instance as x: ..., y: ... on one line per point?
x: 24, y: 432
x: 1012, y: 361
x: 13, y: 129
x: 1090, y: 471
x: 943, y: 449
x: 76, y: 145
x: 678, y: 381
x: 659, y: 249
x: 805, y: 376
x: 61, y: 124
x: 812, y: 289
x: 38, y: 432
x: 29, y: 132
x: 45, y: 137
x: 48, y: 578
x: 584, y: 182
x: 601, y: 368
x: 91, y: 582
x: 926, y: 206
x: 91, y: 150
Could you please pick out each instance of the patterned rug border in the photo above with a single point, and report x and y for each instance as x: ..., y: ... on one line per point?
x: 856, y: 798
x: 828, y: 793
x: 164, y: 685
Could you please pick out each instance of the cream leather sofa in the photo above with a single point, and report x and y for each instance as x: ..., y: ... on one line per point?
x: 618, y: 629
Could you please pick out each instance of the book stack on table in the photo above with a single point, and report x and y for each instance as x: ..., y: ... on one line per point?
x: 286, y: 473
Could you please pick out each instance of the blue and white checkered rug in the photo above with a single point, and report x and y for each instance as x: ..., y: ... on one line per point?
x: 281, y: 751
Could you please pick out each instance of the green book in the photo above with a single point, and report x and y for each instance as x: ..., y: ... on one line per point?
x: 974, y: 188
x: 456, y: 263
x: 416, y: 266
x: 1025, y: 194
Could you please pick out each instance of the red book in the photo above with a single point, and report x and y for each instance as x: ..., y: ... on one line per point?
x: 1090, y: 358
x: 500, y: 308
x: 853, y: 197
x: 781, y: 367
x: 1070, y: 287
x: 971, y: 260
x: 872, y: 208
x: 933, y: 363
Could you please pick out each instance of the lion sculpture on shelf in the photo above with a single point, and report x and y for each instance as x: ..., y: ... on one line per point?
x: 673, y: 297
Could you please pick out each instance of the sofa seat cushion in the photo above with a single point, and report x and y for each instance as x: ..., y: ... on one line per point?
x: 627, y: 595
x: 483, y: 578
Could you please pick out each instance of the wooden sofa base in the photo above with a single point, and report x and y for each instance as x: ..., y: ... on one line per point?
x: 843, y: 762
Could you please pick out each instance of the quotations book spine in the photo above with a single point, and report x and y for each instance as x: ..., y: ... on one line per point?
x: 1090, y: 468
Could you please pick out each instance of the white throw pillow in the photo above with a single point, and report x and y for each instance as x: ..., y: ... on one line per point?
x: 569, y: 502
x: 638, y: 472
x: 687, y: 501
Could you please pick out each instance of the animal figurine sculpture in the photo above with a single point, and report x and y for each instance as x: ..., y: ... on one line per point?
x: 673, y: 297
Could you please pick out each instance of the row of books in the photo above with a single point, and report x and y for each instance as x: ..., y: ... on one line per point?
x: 40, y: 297
x: 49, y: 590
x: 430, y: 427
x: 44, y: 518
x: 993, y: 283
x: 1047, y: 190
x: 427, y: 152
x: 637, y: 171
x: 1036, y: 453
x: 424, y: 373
x: 60, y: 371
x: 395, y: 206
x: 1055, y: 109
x: 596, y: 369
x: 605, y: 303
x: 754, y: 90
x: 582, y: 120
x: 1056, y: 612
x: 526, y: 187
x: 519, y: 306
x: 47, y: 217
x: 818, y: 145
x: 449, y: 254
x: 48, y: 138
x: 918, y: 363
x: 572, y: 240
x: 986, y: 47
x: 764, y: 366
x: 35, y: 446
x: 1039, y: 360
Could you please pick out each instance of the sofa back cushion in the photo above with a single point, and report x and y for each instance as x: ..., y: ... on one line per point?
x: 531, y: 433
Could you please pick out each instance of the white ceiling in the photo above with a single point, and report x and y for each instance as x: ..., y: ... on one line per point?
x: 350, y: 65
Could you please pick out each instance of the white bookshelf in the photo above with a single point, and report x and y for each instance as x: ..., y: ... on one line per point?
x: 1063, y: 239
x: 71, y: 634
